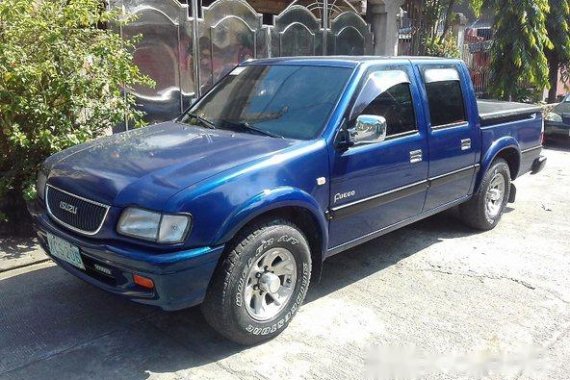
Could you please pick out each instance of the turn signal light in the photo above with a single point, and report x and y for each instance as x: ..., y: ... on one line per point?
x: 143, y: 281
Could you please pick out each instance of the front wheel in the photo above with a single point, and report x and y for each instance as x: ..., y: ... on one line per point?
x: 485, y: 209
x: 260, y: 284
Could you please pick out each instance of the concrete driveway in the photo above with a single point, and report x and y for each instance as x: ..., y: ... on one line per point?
x: 433, y: 300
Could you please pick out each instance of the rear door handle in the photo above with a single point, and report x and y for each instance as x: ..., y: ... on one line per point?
x: 465, y: 144
x: 416, y: 156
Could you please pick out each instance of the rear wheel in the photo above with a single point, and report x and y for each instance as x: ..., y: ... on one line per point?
x: 485, y: 209
x: 261, y: 283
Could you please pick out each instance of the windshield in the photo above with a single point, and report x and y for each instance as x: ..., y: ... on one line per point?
x: 281, y: 101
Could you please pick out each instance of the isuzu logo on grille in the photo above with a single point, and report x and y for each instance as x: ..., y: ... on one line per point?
x: 67, y: 207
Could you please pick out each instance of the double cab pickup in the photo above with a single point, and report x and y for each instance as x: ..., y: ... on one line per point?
x: 285, y: 162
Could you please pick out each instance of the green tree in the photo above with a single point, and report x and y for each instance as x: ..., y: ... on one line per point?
x: 61, y: 76
x: 519, y: 67
x: 442, y: 47
x: 558, y: 27
x: 437, y: 19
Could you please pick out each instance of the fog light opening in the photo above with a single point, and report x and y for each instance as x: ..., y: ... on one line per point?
x: 102, y: 269
x: 143, y: 281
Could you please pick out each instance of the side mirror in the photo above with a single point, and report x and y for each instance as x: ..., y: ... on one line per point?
x: 368, y: 129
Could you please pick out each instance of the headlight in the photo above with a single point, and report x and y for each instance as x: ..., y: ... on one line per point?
x: 553, y: 117
x: 154, y: 226
x: 41, y: 184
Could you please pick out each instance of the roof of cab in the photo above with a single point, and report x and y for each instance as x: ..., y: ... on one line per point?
x: 339, y: 61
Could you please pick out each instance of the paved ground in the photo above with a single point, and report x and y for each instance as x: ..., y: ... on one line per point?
x: 434, y: 300
x: 20, y: 252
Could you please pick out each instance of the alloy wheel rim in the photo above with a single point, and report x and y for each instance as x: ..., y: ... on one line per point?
x: 270, y: 284
x: 495, y: 196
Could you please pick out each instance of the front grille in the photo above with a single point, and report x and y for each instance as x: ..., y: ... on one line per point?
x: 74, y: 212
x: 566, y: 118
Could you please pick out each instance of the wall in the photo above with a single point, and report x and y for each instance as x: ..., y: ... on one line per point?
x: 187, y: 48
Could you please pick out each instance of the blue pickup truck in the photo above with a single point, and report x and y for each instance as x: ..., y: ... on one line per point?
x: 237, y: 203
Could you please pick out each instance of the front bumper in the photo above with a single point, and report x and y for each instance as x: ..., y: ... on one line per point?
x: 180, y: 278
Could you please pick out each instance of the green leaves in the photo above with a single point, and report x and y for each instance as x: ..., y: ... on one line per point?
x: 526, y: 34
x: 60, y: 82
x: 437, y: 19
x: 558, y: 26
x: 519, y: 68
x: 436, y: 47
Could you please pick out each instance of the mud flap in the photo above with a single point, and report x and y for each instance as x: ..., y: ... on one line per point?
x: 512, y: 193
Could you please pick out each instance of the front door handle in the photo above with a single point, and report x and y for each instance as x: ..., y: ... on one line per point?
x: 465, y: 144
x: 416, y: 156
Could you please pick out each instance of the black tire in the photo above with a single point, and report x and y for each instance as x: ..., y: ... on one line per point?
x: 224, y: 306
x: 474, y: 212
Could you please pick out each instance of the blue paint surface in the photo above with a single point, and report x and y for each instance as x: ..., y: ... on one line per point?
x: 225, y: 178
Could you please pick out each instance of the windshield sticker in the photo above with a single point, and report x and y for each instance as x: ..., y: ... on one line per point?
x: 237, y: 71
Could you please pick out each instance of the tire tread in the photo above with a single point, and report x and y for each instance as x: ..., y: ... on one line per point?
x: 472, y: 212
x: 213, y: 306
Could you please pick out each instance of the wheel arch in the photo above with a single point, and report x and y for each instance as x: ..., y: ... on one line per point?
x: 506, y: 148
x: 291, y: 204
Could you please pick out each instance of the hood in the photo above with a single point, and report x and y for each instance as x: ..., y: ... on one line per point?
x: 563, y: 109
x: 147, y: 166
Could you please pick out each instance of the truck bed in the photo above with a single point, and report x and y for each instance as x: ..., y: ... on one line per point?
x: 496, y: 111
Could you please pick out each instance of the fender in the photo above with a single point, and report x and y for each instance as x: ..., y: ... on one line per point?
x: 497, y: 147
x: 269, y: 200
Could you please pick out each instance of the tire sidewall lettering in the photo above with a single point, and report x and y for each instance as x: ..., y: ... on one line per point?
x: 261, y: 329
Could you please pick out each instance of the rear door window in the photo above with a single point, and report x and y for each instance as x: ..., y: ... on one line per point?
x: 445, y: 98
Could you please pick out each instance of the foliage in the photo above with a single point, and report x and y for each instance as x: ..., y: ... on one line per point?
x: 518, y: 62
x: 437, y: 19
x: 61, y: 75
x: 435, y: 47
x: 558, y: 27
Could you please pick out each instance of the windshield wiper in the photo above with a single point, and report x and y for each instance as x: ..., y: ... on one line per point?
x: 250, y: 127
x: 202, y: 121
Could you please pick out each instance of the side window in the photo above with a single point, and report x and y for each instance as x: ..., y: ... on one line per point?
x: 445, y: 98
x: 387, y: 93
x: 395, y: 105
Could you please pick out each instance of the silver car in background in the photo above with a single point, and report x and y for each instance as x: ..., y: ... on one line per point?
x: 557, y: 122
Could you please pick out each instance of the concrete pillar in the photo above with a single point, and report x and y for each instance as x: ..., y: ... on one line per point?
x: 458, y: 30
x: 383, y: 16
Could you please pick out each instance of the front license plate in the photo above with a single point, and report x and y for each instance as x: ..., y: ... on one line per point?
x: 65, y: 251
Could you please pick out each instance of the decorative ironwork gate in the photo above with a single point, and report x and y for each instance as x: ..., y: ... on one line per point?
x: 186, y: 48
x: 410, y: 26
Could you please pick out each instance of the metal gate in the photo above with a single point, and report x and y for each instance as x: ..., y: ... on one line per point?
x: 186, y: 48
